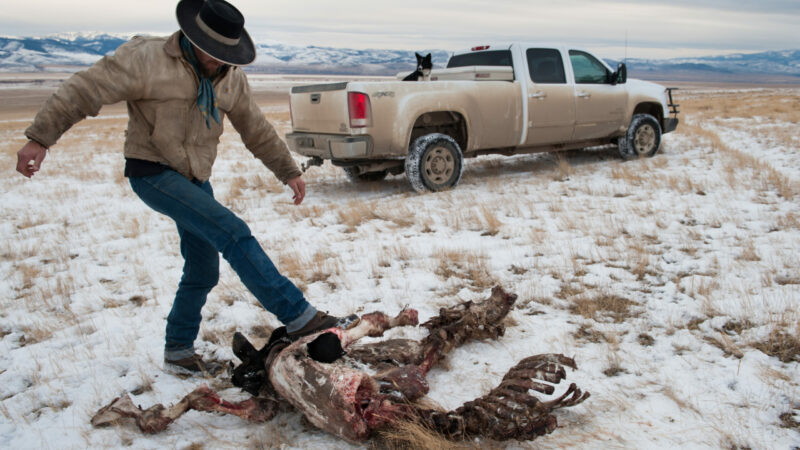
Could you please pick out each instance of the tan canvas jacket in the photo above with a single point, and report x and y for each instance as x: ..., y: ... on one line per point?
x: 165, y: 124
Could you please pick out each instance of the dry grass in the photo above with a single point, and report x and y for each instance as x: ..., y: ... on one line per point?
x: 770, y: 106
x: 629, y: 174
x: 220, y: 337
x: 738, y: 164
x: 737, y: 326
x: 639, y: 263
x: 30, y: 273
x: 685, y: 184
x: 789, y: 220
x: 563, y: 168
x: 724, y: 343
x: 355, y: 214
x: 235, y: 188
x: 775, y: 378
x: 320, y: 267
x: 749, y: 252
x: 412, y: 435
x: 268, y: 436
x: 588, y: 334
x: 569, y: 289
x: 604, y: 305
x: 614, y: 367
x: 682, y: 402
x: 781, y: 344
x: 145, y: 385
x: 36, y: 332
x: 133, y: 227
x: 645, y: 340
x: 312, y: 212
x: 699, y: 287
x: 788, y: 420
x: 469, y: 266
x: 402, y: 216
x: 491, y: 222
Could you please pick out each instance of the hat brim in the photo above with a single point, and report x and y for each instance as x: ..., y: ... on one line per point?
x: 240, y: 54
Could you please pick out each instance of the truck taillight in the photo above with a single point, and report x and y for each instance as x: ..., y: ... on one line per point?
x: 360, y: 109
x: 480, y: 47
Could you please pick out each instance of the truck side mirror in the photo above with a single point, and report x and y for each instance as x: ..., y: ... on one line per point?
x: 621, y: 75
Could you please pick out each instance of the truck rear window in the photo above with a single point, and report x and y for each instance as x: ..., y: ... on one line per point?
x: 546, y: 66
x: 485, y: 58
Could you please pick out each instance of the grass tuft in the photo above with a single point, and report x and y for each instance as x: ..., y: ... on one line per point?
x: 412, y: 435
x: 782, y: 345
x: 604, y: 305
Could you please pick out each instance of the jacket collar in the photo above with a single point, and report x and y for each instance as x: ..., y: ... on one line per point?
x: 173, y: 48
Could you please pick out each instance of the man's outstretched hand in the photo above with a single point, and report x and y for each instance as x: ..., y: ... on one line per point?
x: 30, y: 157
x: 298, y: 188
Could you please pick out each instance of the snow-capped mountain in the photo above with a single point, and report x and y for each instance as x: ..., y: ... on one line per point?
x: 75, y: 50
x: 776, y: 63
x: 34, y: 54
x: 280, y: 58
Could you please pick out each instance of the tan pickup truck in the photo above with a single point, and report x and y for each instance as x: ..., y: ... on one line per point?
x: 506, y: 100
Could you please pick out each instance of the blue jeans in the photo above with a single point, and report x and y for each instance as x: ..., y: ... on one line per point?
x: 207, y: 228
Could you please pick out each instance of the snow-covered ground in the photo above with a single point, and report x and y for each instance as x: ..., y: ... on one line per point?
x: 673, y: 281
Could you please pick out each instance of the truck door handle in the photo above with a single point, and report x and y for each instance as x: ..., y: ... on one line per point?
x: 537, y: 94
x: 583, y: 94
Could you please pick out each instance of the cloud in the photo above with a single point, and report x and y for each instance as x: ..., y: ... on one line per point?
x: 677, y: 27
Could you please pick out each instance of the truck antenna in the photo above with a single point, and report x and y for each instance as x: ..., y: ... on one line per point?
x: 625, y: 60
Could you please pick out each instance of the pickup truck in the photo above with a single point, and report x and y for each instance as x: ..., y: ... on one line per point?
x: 508, y: 100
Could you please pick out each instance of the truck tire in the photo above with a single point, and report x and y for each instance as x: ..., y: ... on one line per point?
x: 643, y: 137
x: 355, y: 176
x: 434, y: 163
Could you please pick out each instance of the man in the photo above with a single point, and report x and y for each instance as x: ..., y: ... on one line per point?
x: 178, y: 90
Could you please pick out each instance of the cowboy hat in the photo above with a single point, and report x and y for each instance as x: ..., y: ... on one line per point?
x: 217, y: 28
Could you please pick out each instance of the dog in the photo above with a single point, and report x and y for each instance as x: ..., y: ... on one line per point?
x: 423, y: 72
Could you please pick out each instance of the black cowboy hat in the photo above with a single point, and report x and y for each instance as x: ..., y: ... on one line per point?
x: 217, y: 28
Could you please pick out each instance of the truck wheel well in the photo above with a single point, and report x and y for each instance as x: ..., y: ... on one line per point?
x: 653, y: 109
x: 446, y: 122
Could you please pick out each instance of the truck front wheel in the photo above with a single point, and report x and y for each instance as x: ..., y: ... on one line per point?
x: 643, y: 137
x: 434, y: 163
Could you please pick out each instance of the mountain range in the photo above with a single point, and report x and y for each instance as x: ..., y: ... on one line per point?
x: 69, y: 52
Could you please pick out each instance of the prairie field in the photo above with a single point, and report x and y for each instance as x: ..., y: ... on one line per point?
x: 674, y: 281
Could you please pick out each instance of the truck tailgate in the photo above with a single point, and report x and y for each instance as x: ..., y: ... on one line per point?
x: 320, y: 108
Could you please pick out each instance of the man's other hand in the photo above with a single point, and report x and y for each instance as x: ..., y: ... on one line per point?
x: 30, y: 157
x: 298, y: 188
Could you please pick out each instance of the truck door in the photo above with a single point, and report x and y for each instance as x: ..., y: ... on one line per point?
x: 551, y: 101
x: 599, y: 104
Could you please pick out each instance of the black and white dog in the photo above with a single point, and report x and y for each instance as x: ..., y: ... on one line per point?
x: 423, y: 72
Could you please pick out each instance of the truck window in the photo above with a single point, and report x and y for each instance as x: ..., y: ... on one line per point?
x: 484, y: 58
x: 588, y: 70
x: 546, y: 66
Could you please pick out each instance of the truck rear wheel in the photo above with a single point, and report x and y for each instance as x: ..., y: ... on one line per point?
x: 434, y: 163
x: 643, y: 137
x: 354, y: 175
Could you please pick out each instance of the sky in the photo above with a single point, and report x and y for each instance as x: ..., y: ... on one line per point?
x: 622, y: 28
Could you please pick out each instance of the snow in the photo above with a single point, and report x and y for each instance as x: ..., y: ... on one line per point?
x: 693, y: 242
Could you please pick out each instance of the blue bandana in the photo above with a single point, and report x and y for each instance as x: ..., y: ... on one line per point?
x: 206, y: 98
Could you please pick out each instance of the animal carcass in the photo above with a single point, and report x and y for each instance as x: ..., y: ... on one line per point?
x: 336, y: 394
